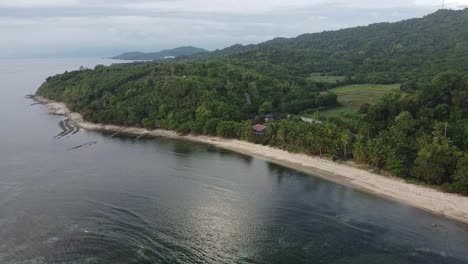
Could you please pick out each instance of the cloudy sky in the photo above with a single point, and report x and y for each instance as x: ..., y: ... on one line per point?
x: 60, y: 28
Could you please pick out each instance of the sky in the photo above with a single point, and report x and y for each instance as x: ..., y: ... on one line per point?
x: 93, y: 28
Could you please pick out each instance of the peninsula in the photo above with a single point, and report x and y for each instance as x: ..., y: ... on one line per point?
x: 162, y: 55
x: 373, y: 95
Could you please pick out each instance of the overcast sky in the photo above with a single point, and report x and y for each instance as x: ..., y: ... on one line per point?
x: 59, y: 28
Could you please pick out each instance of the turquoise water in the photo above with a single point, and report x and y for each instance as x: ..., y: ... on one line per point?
x: 128, y: 200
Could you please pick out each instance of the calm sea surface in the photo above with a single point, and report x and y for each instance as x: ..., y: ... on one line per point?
x: 73, y: 196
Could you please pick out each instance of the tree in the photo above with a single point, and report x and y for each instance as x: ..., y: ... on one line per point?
x: 375, y: 149
x: 210, y: 127
x: 360, y: 151
x: 435, y: 161
x: 395, y: 164
x: 460, y: 177
x: 265, y: 108
x: 442, y: 85
x: 345, y: 138
x: 226, y: 129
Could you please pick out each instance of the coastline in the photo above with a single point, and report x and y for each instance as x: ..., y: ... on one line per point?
x: 446, y: 204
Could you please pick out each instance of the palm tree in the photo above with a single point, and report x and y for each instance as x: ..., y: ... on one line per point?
x: 282, y: 133
x: 374, y: 149
x: 345, y: 138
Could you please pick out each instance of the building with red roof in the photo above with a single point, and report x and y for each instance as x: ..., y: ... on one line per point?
x: 259, y: 129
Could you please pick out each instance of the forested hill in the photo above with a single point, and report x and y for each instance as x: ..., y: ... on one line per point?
x: 231, y: 50
x: 160, y: 55
x: 379, y: 53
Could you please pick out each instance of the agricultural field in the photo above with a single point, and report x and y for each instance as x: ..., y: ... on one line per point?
x: 339, y: 111
x: 352, y: 97
x: 316, y: 77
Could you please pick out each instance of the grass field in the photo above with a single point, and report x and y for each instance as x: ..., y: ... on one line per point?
x: 336, y: 112
x: 352, y: 97
x: 325, y: 78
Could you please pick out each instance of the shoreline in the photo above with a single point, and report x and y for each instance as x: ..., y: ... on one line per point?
x: 452, y: 206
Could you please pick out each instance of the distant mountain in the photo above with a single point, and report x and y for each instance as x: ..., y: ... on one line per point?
x: 232, y: 50
x: 160, y: 55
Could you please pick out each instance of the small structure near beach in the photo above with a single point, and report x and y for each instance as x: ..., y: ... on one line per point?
x: 269, y: 118
x: 259, y: 129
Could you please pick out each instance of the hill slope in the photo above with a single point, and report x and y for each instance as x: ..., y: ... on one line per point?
x: 160, y: 55
x: 379, y: 53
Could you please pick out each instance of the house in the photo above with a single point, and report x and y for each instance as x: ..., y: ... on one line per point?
x: 259, y: 129
x: 269, y: 118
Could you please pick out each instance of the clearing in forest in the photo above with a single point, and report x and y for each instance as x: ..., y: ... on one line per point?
x: 352, y: 97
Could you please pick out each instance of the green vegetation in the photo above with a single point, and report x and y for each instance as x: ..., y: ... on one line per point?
x: 336, y: 112
x: 409, y: 52
x: 357, y: 95
x: 319, y: 78
x: 419, y: 132
x: 177, y: 96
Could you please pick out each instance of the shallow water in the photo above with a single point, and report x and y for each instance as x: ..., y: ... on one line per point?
x: 73, y: 196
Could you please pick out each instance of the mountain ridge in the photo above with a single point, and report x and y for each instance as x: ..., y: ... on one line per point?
x: 160, y: 55
x: 386, y: 52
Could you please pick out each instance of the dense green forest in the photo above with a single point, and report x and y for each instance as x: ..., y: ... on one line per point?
x: 419, y: 132
x: 409, y: 52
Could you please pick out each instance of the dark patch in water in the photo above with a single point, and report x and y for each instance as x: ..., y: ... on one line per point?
x: 87, y: 144
x: 115, y: 134
x: 68, y: 129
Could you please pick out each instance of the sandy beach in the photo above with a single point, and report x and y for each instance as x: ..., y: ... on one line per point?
x: 449, y: 205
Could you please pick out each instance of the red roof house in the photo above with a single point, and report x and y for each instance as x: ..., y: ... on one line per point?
x: 259, y: 129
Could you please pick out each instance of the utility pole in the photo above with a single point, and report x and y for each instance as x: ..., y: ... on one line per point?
x: 443, y: 4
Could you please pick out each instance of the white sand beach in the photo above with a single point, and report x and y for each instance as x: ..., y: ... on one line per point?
x: 450, y: 205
